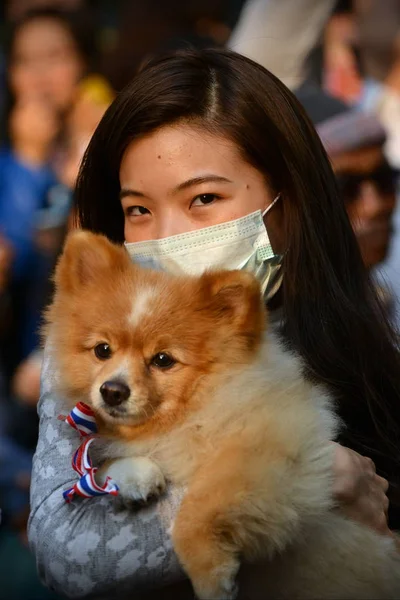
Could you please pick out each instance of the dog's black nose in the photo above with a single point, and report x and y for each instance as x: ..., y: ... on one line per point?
x: 114, y: 393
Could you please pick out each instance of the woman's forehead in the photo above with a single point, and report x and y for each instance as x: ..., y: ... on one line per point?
x: 179, y: 152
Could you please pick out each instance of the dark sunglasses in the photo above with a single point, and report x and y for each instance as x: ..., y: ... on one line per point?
x: 384, y: 177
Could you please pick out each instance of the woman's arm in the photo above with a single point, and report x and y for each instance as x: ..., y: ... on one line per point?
x: 90, y: 548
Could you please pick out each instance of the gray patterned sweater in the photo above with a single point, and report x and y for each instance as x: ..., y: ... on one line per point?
x: 90, y: 548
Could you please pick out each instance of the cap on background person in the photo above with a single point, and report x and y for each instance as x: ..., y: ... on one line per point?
x: 354, y: 142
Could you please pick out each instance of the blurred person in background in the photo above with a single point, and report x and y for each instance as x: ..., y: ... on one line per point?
x: 362, y: 62
x: 371, y: 42
x: 355, y: 145
x: 367, y: 182
x: 48, y: 56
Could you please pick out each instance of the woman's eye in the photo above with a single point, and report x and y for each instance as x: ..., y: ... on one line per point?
x: 162, y: 360
x: 204, y: 199
x: 102, y: 351
x: 137, y: 211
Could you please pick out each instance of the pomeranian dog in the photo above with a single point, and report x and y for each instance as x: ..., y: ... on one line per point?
x: 190, y: 387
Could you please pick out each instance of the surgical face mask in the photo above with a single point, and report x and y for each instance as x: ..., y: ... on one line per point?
x: 241, y: 244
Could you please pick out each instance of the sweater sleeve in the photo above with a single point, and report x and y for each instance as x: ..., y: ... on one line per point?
x: 280, y: 35
x: 91, y: 548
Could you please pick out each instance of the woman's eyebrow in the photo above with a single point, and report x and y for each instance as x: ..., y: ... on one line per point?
x: 126, y: 192
x: 201, y: 179
x: 182, y: 186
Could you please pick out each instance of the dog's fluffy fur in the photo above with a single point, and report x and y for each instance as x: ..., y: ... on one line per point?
x: 233, y: 420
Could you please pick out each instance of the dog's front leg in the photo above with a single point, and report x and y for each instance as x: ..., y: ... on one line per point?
x: 208, y: 557
x: 238, y: 504
x: 203, y: 532
x: 139, y: 478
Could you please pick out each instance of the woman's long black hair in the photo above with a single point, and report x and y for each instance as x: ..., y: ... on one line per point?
x: 331, y: 315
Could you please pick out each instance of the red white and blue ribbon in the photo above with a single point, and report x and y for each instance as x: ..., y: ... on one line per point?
x: 83, y: 420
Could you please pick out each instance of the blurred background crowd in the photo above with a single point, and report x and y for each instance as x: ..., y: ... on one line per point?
x: 61, y: 64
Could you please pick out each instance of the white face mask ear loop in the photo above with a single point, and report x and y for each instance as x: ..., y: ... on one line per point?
x: 271, y: 205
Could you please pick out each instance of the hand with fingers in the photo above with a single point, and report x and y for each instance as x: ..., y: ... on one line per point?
x: 359, y: 490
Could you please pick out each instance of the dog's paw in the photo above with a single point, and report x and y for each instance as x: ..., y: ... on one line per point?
x: 221, y: 583
x: 139, y: 480
x: 138, y: 493
x: 227, y: 590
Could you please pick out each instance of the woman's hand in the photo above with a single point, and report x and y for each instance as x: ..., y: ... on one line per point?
x: 361, y: 493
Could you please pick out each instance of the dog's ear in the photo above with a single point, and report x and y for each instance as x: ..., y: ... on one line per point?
x: 236, y: 295
x: 86, y: 258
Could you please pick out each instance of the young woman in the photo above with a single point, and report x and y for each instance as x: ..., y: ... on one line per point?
x: 199, y: 139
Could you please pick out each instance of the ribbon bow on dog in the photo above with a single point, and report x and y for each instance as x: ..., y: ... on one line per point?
x: 83, y: 420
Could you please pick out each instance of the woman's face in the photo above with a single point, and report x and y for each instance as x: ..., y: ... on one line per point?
x: 180, y: 178
x: 45, y: 63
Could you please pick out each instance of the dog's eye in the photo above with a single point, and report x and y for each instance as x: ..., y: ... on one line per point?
x: 162, y: 360
x: 102, y: 351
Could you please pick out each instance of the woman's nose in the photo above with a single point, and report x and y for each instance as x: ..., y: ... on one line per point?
x: 173, y: 224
